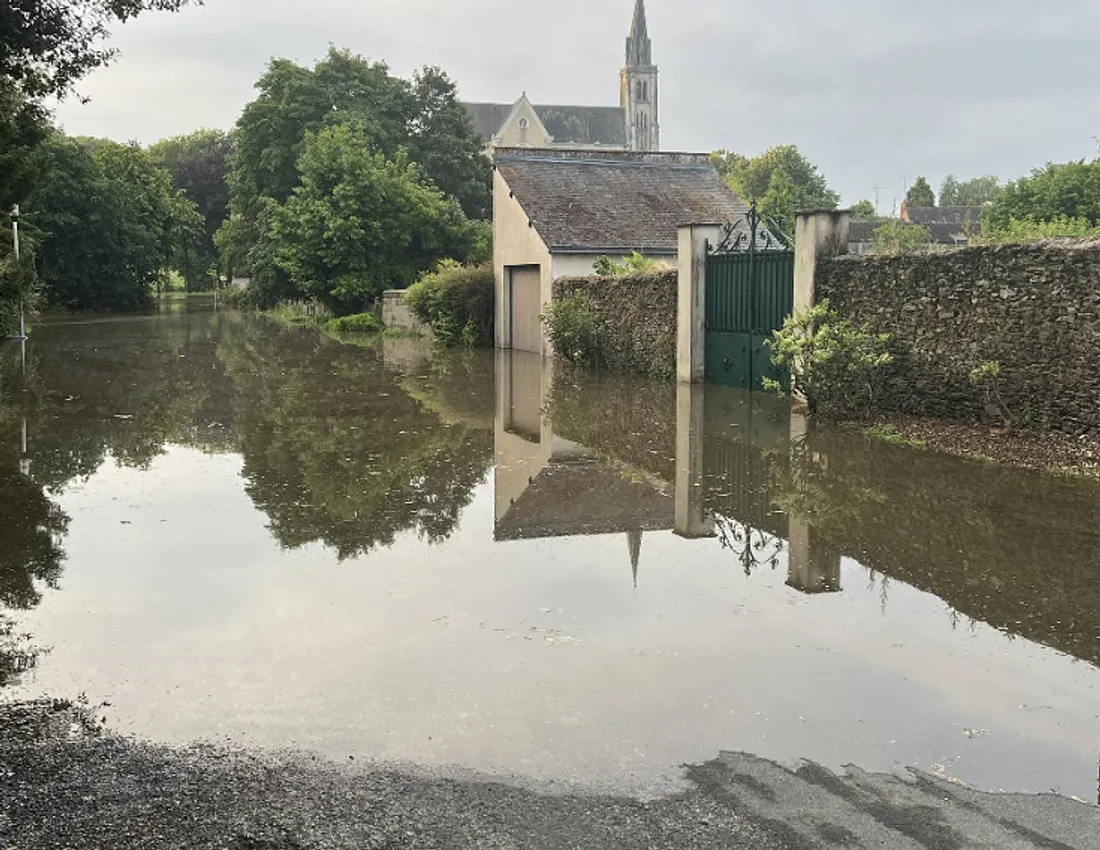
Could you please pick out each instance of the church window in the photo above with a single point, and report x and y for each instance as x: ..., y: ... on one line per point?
x: 523, y: 123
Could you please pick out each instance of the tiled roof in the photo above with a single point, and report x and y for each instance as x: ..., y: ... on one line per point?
x: 942, y: 233
x: 603, y: 202
x: 582, y: 125
x: 944, y: 215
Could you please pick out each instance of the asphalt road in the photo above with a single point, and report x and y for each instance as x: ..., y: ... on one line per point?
x: 65, y: 784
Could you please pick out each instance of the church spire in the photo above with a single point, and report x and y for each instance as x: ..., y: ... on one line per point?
x: 639, y: 49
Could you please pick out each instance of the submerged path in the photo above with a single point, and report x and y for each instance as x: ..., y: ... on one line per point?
x: 62, y: 785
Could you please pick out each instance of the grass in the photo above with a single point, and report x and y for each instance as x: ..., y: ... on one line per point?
x: 298, y: 315
x: 360, y: 323
x: 890, y: 434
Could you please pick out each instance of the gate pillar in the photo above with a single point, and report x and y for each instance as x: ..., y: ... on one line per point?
x: 691, y: 310
x: 817, y: 233
x: 692, y: 520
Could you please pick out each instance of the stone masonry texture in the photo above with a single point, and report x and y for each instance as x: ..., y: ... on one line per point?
x: 638, y: 313
x: 1035, y: 309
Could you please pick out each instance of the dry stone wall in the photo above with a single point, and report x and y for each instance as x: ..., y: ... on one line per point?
x: 1035, y: 309
x: 638, y: 318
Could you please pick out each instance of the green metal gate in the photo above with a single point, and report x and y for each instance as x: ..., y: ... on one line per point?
x: 749, y: 294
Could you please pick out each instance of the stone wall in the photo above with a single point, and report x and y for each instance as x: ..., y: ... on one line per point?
x: 397, y: 316
x: 638, y: 314
x: 1033, y: 308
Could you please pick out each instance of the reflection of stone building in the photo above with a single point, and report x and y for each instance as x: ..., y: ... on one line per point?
x: 549, y: 486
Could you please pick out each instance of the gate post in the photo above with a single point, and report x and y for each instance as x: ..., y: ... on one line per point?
x: 817, y: 233
x: 691, y: 312
x: 692, y: 521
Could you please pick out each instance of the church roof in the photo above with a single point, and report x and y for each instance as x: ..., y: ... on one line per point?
x: 615, y: 201
x: 581, y: 125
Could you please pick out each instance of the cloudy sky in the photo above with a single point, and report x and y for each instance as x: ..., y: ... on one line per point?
x: 872, y: 91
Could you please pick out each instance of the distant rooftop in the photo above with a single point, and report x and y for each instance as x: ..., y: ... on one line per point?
x: 580, y: 125
x: 616, y: 201
x: 944, y: 215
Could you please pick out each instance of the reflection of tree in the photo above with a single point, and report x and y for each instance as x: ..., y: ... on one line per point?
x: 31, y: 529
x: 335, y: 451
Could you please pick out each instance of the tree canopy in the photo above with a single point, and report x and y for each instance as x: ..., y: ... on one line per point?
x: 197, y: 163
x: 920, y: 194
x: 781, y: 180
x: 864, y: 210
x: 360, y: 223
x: 1056, y: 192
x: 46, y: 46
x: 104, y: 215
x: 976, y: 192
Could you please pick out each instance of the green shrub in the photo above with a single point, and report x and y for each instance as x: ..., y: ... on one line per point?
x: 606, y: 267
x: 575, y: 330
x: 456, y: 302
x: 360, y: 323
x: 297, y: 314
x: 889, y: 433
x: 827, y: 356
x: 1022, y: 231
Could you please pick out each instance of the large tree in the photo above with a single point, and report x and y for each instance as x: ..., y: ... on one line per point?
x: 360, y: 223
x: 920, y: 194
x: 976, y: 192
x: 46, y: 46
x: 104, y: 215
x: 422, y: 116
x: 197, y: 164
x: 781, y: 180
x: 1059, y: 191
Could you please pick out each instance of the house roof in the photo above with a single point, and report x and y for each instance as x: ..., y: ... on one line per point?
x: 581, y: 125
x: 945, y: 215
x: 942, y: 233
x: 570, y: 498
x: 611, y: 202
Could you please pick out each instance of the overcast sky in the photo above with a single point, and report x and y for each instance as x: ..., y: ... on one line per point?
x: 872, y: 91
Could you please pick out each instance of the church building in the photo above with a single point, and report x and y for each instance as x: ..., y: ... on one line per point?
x: 633, y: 125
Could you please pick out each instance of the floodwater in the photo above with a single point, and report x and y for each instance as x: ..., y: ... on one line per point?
x: 221, y: 529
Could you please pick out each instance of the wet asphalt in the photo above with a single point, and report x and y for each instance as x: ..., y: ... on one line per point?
x: 64, y: 783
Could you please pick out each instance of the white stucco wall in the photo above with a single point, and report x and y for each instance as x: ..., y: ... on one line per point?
x: 515, y: 243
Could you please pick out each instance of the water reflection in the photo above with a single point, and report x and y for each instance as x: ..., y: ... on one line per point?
x: 1017, y: 549
x: 648, y: 575
x: 341, y: 449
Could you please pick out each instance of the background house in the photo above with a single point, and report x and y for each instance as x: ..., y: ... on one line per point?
x: 556, y: 211
x: 632, y: 125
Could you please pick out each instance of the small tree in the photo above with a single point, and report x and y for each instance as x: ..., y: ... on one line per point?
x: 920, y: 194
x: 826, y: 355
x: 895, y: 236
x: 864, y: 211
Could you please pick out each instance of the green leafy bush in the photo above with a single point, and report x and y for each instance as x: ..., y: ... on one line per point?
x: 360, y: 323
x: 899, y: 237
x: 575, y: 330
x: 827, y: 356
x: 456, y: 302
x: 635, y: 263
x: 1022, y: 231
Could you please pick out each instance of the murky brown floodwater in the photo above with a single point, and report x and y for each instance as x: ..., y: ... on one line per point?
x: 223, y: 529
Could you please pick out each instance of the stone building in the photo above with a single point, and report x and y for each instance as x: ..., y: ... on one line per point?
x: 632, y: 125
x: 556, y: 211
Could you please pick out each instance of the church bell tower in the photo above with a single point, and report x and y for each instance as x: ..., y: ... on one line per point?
x: 638, y: 92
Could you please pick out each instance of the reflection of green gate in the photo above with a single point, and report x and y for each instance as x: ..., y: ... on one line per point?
x: 749, y: 292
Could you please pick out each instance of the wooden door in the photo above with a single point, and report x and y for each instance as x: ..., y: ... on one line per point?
x: 526, y: 301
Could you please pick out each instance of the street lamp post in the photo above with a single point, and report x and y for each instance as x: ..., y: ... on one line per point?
x: 15, y: 247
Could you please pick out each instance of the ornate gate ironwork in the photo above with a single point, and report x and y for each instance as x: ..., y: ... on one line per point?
x: 749, y: 294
